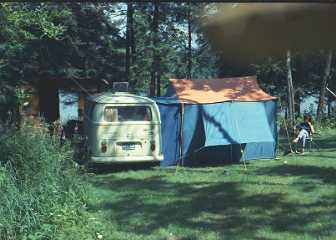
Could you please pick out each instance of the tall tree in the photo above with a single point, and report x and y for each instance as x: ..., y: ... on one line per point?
x: 326, y: 77
x: 290, y: 90
x: 23, y: 25
x: 48, y: 44
x: 331, y: 93
x: 129, y: 58
x: 155, y: 76
x: 171, y: 46
x: 189, y: 58
x: 133, y: 79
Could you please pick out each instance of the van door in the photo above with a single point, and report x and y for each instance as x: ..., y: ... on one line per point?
x: 129, y: 132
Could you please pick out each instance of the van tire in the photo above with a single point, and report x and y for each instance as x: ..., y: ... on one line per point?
x: 90, y: 167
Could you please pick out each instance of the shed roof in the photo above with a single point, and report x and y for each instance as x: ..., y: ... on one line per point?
x: 219, y: 90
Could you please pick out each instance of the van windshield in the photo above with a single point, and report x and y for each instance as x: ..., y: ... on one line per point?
x: 127, y: 113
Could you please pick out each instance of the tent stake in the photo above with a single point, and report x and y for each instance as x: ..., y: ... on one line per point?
x: 242, y: 153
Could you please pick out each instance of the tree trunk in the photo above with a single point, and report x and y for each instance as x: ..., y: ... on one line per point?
x: 132, y: 33
x: 128, y: 40
x: 290, y: 91
x: 155, y: 39
x: 189, y: 42
x: 329, y: 103
x: 326, y: 77
x: 158, y: 84
x: 297, y: 100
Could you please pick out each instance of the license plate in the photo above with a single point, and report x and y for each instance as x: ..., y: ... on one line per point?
x: 128, y: 147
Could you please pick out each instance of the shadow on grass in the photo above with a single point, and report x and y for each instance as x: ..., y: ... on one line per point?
x: 124, y: 167
x: 121, y: 167
x: 325, y: 174
x: 143, y: 206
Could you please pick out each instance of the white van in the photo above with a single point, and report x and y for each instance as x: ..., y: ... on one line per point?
x: 122, y: 127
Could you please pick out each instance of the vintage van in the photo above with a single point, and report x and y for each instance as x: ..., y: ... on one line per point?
x: 122, y: 127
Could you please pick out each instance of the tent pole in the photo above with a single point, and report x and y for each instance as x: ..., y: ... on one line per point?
x: 332, y: 93
x: 180, y: 161
x: 182, y: 122
x: 240, y: 145
x: 286, y: 128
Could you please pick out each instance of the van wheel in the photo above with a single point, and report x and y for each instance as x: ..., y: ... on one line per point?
x: 96, y: 168
x: 90, y: 167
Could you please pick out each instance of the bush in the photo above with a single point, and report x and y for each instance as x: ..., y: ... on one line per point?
x: 42, y: 192
x: 328, y: 122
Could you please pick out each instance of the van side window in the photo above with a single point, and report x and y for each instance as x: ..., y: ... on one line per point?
x: 127, y: 113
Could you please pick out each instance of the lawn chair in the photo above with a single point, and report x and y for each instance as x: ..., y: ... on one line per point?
x: 312, y: 145
x: 309, y: 146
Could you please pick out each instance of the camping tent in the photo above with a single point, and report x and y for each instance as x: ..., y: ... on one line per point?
x: 230, y: 119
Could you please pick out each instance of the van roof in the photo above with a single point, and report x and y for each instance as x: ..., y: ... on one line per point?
x: 109, y: 97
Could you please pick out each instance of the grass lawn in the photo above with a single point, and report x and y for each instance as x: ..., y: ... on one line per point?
x: 290, y: 198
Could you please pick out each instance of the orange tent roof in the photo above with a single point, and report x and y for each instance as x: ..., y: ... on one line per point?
x: 219, y: 90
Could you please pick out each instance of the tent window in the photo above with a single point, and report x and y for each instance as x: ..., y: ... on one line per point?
x: 127, y: 113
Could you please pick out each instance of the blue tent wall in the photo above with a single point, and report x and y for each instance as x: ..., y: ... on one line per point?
x: 265, y: 150
x: 170, y: 128
x: 237, y: 122
x: 250, y: 125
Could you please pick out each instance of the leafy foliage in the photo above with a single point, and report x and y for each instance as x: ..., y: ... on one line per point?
x: 172, y: 45
x: 86, y: 41
x: 41, y: 191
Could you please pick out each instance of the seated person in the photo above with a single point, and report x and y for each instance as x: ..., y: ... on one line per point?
x: 305, y: 129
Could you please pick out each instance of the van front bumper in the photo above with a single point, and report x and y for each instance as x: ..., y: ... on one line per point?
x: 126, y: 159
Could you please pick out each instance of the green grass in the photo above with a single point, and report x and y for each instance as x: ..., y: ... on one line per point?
x: 41, y: 190
x: 290, y: 198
